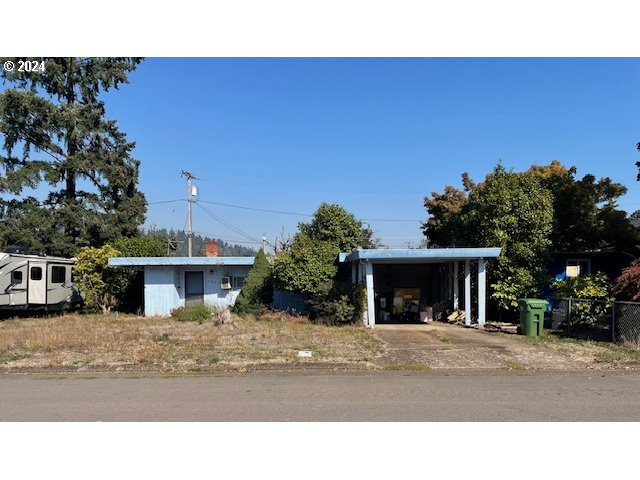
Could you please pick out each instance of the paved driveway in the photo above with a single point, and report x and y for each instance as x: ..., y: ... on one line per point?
x: 436, y: 346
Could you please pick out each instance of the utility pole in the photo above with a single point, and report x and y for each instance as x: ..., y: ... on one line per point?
x: 172, y: 245
x: 190, y: 179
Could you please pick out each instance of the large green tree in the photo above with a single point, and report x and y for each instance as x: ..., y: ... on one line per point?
x: 444, y: 226
x: 57, y: 139
x: 514, y: 212
x: 308, y: 267
x: 310, y: 264
x: 332, y: 223
x: 586, y: 215
x: 507, y: 210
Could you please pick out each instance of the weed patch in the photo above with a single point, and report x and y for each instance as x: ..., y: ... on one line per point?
x: 411, y: 367
x: 614, y: 354
x: 511, y: 365
x: 196, y: 313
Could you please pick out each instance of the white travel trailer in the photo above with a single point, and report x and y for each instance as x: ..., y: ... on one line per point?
x: 35, y: 282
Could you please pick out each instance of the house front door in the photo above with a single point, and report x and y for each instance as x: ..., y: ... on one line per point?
x: 193, y: 288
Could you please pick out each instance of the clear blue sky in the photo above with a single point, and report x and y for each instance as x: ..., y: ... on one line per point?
x: 375, y: 135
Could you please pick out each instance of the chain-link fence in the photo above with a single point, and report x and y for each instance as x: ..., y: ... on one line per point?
x: 596, y: 319
x: 627, y: 321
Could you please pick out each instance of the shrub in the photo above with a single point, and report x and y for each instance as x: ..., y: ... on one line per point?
x: 627, y: 285
x: 196, y: 313
x: 98, y: 282
x: 595, y: 287
x: 343, y: 304
x: 517, y: 282
x: 257, y: 290
x: 331, y: 312
x: 585, y: 286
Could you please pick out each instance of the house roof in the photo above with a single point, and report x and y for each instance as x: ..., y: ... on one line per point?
x: 419, y: 255
x: 178, y: 261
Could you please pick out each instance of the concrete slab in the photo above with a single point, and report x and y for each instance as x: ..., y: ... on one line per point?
x: 438, y: 345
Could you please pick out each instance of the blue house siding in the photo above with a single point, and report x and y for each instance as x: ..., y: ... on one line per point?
x: 160, y: 292
x: 290, y: 302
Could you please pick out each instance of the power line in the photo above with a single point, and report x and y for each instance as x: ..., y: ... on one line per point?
x: 167, y: 201
x: 257, y: 209
x: 302, y: 214
x: 226, y: 224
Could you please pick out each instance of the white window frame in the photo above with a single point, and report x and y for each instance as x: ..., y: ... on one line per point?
x: 577, y: 262
x: 234, y: 283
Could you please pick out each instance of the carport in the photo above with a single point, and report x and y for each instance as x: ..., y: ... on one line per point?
x: 401, y: 283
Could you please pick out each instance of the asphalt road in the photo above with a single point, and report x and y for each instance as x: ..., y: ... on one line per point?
x: 379, y: 396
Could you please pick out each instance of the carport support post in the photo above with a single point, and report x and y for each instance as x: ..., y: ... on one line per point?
x: 371, y: 314
x: 482, y: 274
x: 456, y: 296
x: 354, y: 273
x: 467, y: 292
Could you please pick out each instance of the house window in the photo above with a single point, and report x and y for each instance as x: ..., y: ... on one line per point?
x: 16, y: 277
x: 238, y: 282
x: 58, y: 274
x: 577, y: 267
x: 36, y: 273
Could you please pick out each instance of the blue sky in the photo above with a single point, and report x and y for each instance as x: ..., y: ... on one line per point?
x: 375, y: 135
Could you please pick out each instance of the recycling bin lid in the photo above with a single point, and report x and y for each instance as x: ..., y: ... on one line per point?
x: 533, y: 302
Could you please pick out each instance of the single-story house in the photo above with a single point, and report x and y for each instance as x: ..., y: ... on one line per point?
x: 173, y: 282
x: 407, y: 284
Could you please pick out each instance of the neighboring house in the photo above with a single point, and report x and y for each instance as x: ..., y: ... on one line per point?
x: 408, y: 285
x: 572, y: 264
x: 173, y: 282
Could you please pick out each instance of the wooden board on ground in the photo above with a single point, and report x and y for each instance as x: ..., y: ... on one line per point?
x: 456, y: 316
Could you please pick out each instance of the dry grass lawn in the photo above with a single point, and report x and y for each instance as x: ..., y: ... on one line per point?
x: 625, y: 356
x: 156, y: 344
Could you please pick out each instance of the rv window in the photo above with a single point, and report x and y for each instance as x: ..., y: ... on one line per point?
x: 16, y: 277
x: 36, y: 273
x: 58, y: 274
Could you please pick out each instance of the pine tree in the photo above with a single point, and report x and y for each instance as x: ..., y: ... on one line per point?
x: 257, y: 290
x: 54, y: 131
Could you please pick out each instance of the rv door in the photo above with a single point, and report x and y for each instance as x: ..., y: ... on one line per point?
x: 37, y: 283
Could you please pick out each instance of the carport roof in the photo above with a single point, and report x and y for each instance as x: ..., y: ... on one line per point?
x: 419, y: 255
x: 178, y: 261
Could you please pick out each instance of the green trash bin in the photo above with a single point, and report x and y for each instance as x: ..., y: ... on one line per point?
x: 532, y: 316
